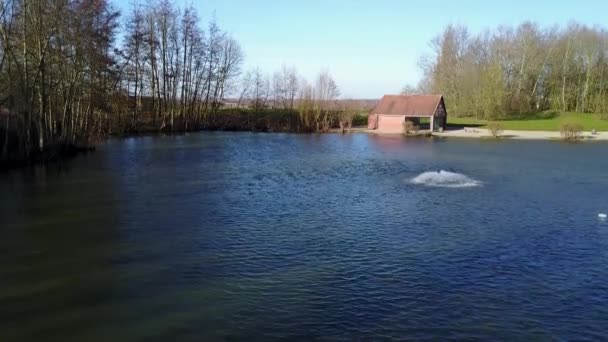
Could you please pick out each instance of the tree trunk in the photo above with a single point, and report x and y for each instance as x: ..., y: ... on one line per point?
x: 564, y: 106
x: 6, y: 141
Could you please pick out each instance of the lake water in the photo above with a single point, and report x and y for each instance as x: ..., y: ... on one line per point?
x: 238, y: 236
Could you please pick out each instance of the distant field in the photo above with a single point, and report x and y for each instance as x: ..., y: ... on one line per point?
x: 546, y: 121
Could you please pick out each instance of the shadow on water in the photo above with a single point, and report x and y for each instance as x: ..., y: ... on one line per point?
x: 58, y: 236
x: 83, y: 261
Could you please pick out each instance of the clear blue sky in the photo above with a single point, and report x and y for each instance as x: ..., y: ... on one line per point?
x: 370, y: 47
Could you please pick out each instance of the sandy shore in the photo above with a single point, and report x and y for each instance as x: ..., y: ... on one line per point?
x: 485, y: 133
x: 525, y: 135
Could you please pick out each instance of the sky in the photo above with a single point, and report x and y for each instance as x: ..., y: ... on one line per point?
x: 370, y: 47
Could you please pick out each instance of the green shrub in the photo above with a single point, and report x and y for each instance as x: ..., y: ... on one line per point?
x: 408, y: 127
x: 495, y: 128
x: 571, y: 131
x: 360, y: 120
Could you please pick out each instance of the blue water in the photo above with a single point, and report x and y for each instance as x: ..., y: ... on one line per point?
x: 237, y: 236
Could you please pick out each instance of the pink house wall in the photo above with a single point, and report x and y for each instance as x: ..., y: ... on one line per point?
x: 390, y: 123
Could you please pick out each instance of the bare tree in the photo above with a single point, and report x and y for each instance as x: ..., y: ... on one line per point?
x: 245, y: 86
x: 135, y: 58
x: 327, y: 92
x: 260, y: 90
x: 348, y: 110
x: 306, y: 105
x: 231, y: 58
x: 278, y: 89
x: 291, y: 86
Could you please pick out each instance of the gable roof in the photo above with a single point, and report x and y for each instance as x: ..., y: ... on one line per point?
x: 408, y: 105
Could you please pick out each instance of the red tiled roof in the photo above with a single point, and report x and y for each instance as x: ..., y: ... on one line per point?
x: 408, y: 105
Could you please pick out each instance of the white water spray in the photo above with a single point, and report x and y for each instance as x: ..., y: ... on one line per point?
x: 445, y: 179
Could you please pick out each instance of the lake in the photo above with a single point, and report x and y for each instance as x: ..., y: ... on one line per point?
x: 241, y: 236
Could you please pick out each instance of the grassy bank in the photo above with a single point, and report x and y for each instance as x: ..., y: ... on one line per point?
x: 544, y: 121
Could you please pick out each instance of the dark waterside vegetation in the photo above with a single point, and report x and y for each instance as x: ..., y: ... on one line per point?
x: 243, y: 119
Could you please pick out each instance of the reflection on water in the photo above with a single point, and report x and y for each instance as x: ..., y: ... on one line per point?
x: 250, y: 236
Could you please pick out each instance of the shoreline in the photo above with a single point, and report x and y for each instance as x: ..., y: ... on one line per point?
x: 482, y: 133
x: 466, y: 133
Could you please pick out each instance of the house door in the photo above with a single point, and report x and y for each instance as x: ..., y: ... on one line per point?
x: 438, y: 123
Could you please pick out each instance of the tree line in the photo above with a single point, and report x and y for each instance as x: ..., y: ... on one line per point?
x: 519, y: 70
x: 316, y: 106
x: 66, y: 80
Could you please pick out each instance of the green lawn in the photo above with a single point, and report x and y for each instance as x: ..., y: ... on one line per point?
x: 545, y: 121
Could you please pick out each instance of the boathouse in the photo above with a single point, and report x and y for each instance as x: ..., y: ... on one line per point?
x: 389, y: 115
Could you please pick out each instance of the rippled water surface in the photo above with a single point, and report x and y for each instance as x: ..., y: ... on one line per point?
x: 221, y: 236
